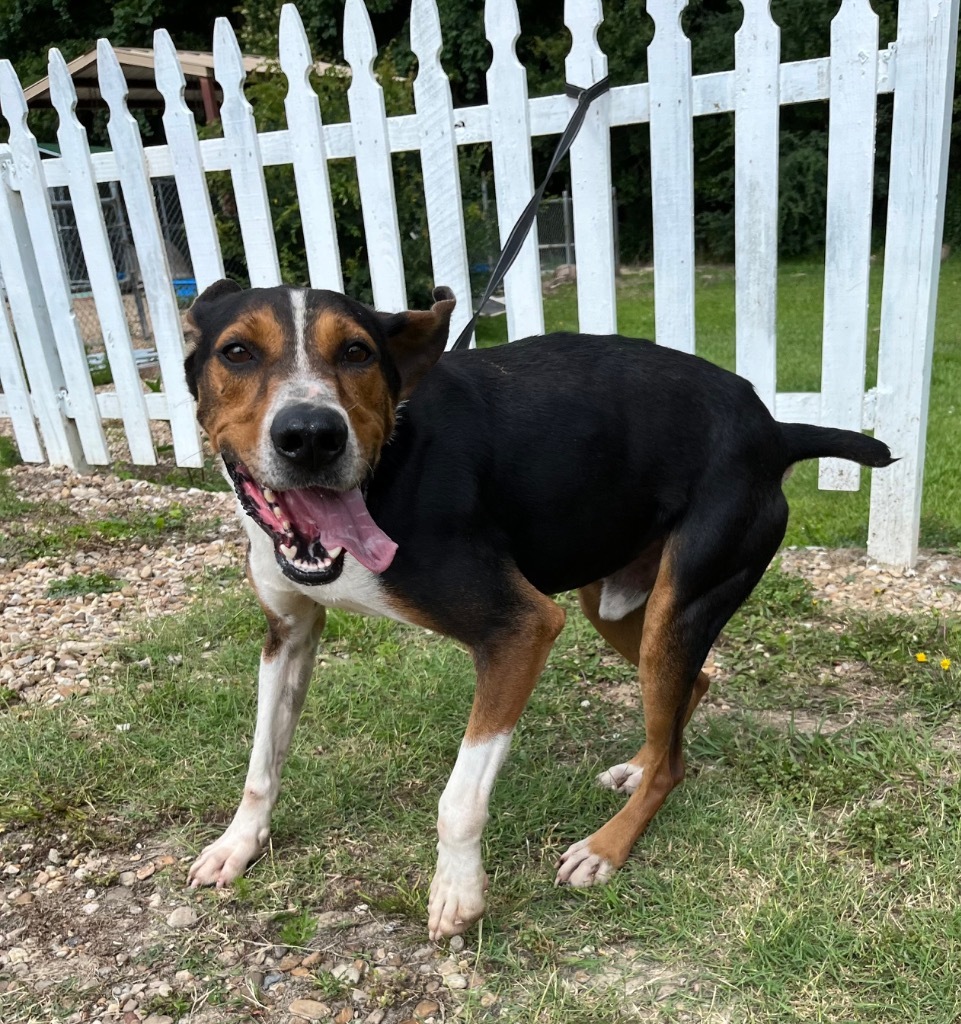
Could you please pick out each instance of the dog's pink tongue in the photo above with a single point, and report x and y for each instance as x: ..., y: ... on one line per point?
x: 341, y: 520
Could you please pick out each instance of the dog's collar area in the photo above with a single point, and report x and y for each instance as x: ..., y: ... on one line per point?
x: 312, y: 528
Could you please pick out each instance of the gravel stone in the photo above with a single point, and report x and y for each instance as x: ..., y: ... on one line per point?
x: 183, y: 917
x: 310, y: 1009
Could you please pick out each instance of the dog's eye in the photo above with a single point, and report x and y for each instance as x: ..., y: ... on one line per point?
x: 236, y: 353
x: 357, y: 352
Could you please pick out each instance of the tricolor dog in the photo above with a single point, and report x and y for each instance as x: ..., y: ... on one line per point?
x: 458, y: 492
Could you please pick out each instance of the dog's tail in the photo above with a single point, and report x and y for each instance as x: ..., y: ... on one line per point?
x: 806, y: 441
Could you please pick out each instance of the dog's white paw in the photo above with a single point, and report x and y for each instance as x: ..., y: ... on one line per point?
x: 580, y: 867
x: 456, y: 898
x: 622, y: 778
x: 225, y: 860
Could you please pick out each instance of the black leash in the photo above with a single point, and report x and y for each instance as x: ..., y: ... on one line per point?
x: 584, y: 97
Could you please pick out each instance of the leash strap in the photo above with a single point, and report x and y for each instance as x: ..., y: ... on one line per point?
x: 584, y: 97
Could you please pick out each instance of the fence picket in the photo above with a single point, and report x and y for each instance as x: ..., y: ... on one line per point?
x: 757, y: 45
x: 309, y: 155
x: 184, y: 147
x: 246, y: 165
x: 99, y: 258
x: 672, y: 175
x: 438, y: 158
x: 16, y: 391
x: 34, y: 332
x: 53, y: 277
x: 375, y: 174
x: 151, y: 252
x: 591, y: 176
x: 847, y: 257
x: 920, y: 136
x: 513, y: 165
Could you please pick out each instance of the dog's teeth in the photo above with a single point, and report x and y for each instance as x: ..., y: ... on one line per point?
x: 288, y: 552
x: 269, y: 495
x: 327, y: 562
x: 334, y: 552
x: 285, y: 525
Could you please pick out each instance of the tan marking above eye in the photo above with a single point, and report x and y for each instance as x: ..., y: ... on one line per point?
x: 333, y: 333
x: 258, y: 329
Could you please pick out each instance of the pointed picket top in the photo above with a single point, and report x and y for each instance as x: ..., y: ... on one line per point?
x: 63, y: 94
x: 296, y: 59
x: 169, y: 74
x: 12, y: 101
x: 360, y: 46
x: 502, y: 25
x: 425, y: 35
x: 229, y: 65
x: 583, y: 18
x: 113, y: 85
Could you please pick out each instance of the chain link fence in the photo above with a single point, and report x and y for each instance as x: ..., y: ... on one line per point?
x: 124, y: 261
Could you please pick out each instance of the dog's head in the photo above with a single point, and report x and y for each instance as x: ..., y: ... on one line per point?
x: 298, y: 392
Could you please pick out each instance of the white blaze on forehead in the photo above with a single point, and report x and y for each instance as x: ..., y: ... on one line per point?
x: 298, y: 311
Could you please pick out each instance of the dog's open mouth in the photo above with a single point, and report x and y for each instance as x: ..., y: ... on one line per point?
x: 314, y: 527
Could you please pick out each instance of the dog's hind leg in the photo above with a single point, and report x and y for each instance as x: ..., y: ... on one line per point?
x: 624, y: 635
x: 710, y: 565
x: 509, y: 660
x: 294, y: 627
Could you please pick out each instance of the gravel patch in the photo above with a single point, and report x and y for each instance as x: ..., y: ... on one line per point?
x: 53, y: 644
x: 849, y: 579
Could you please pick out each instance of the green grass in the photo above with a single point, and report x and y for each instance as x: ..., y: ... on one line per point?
x: 829, y: 518
x: 79, y: 583
x: 800, y: 874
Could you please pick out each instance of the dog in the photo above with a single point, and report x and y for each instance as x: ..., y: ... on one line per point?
x: 458, y: 492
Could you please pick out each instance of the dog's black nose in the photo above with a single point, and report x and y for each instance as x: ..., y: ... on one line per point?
x: 311, y: 436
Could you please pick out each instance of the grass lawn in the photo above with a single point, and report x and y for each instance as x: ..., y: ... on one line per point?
x: 829, y: 518
x: 798, y: 874
x: 808, y: 870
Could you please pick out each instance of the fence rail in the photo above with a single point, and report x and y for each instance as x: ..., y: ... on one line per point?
x: 47, y: 391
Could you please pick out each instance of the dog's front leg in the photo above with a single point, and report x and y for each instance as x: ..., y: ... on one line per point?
x: 508, y: 665
x: 294, y: 627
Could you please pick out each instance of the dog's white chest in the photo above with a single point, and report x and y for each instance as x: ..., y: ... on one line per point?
x: 357, y: 589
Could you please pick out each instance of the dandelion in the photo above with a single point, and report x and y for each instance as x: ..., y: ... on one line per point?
x: 920, y: 656
x: 945, y: 663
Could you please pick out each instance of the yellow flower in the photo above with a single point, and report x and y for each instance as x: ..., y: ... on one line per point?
x: 945, y: 663
x: 920, y: 656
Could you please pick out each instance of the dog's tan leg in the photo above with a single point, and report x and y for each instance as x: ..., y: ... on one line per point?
x: 508, y: 665
x: 670, y: 696
x: 294, y: 627
x: 624, y: 635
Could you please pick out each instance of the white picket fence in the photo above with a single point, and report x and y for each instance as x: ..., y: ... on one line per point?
x: 46, y: 386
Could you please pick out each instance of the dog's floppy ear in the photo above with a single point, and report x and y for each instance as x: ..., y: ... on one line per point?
x: 193, y: 325
x: 416, y: 339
